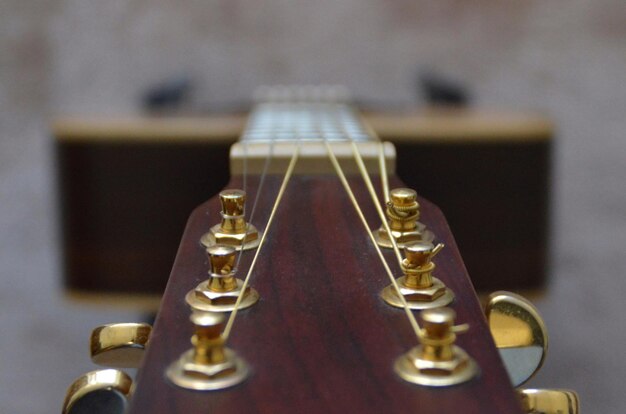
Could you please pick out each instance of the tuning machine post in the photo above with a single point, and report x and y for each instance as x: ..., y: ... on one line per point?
x: 233, y: 230
x: 418, y: 286
x: 209, y: 365
x: 220, y: 291
x: 437, y: 361
x: 521, y: 337
x: 403, y: 213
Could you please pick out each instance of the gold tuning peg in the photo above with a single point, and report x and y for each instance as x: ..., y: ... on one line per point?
x: 119, y: 345
x: 437, y: 362
x: 519, y: 333
x: 220, y: 292
x: 421, y: 290
x: 103, y: 391
x: 403, y: 213
x: 209, y: 365
x: 549, y: 401
x: 521, y: 337
x: 233, y: 230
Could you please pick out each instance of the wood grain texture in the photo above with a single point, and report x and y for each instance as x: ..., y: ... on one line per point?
x: 320, y: 340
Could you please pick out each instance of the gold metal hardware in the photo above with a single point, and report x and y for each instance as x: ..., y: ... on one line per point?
x: 98, y: 392
x: 421, y: 290
x: 119, y: 345
x: 437, y: 362
x: 521, y: 337
x: 403, y: 213
x: 219, y: 293
x: 209, y: 365
x: 519, y: 333
x: 233, y: 229
x: 549, y: 401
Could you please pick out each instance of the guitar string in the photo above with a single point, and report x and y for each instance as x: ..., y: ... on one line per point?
x: 366, y: 178
x: 279, y: 196
x: 382, y: 164
x: 258, y: 192
x: 245, y: 174
x: 245, y: 185
x: 355, y: 203
x: 368, y: 183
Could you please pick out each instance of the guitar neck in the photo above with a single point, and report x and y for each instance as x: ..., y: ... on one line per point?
x: 305, y: 122
x: 276, y: 128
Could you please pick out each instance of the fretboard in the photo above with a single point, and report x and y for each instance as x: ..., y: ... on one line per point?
x: 306, y: 121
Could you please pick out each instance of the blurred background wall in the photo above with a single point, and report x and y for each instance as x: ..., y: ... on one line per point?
x: 566, y: 58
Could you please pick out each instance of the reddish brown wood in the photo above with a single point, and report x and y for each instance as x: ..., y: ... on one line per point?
x: 320, y: 340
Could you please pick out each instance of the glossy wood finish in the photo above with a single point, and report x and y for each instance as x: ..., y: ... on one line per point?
x: 320, y: 340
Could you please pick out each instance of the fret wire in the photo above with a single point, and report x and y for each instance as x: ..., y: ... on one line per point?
x: 355, y: 203
x: 268, y: 118
x: 279, y: 196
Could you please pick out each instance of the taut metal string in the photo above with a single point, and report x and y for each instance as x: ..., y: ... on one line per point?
x: 355, y: 203
x: 370, y: 187
x: 382, y: 164
x: 279, y: 196
x: 368, y: 183
x: 258, y: 191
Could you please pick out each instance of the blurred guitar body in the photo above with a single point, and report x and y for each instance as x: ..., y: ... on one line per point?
x: 127, y: 186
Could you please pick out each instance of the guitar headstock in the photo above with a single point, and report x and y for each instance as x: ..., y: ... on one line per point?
x: 320, y: 339
x: 309, y: 304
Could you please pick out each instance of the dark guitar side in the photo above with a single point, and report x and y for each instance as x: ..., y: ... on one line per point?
x: 320, y: 340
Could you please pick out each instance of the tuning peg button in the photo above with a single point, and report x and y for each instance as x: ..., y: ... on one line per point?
x: 521, y: 337
x: 103, y: 391
x: 119, y: 345
x: 549, y: 401
x: 520, y: 334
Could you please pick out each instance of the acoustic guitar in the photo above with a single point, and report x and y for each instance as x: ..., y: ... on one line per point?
x: 317, y: 283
